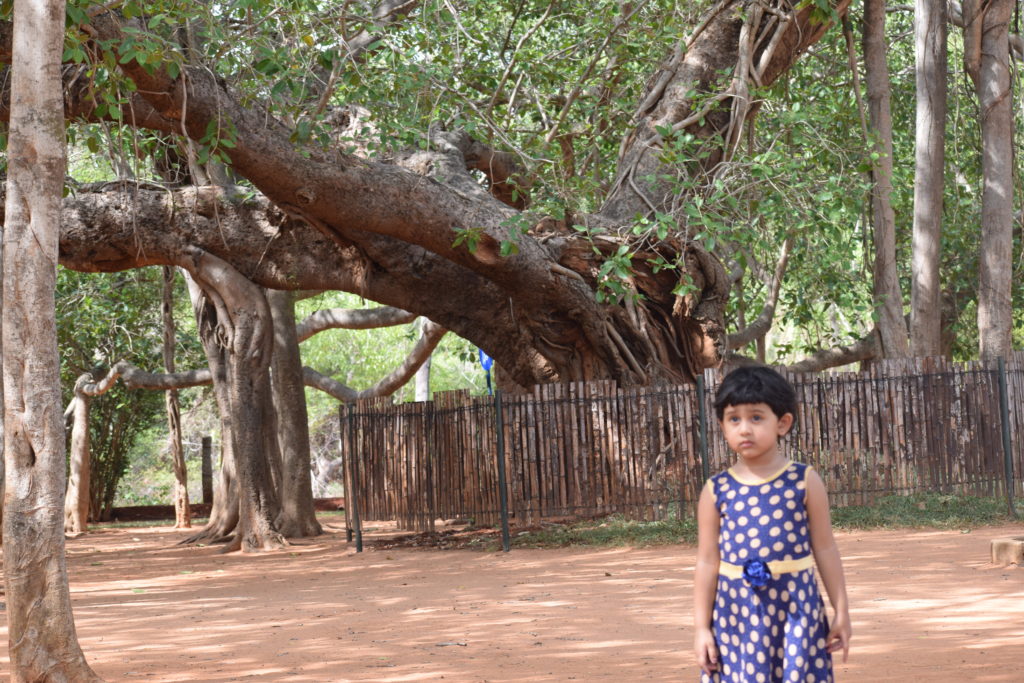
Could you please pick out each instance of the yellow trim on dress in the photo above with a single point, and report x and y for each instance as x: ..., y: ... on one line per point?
x: 773, y: 477
x: 776, y: 567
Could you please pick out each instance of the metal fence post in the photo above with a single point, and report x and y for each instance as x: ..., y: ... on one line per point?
x: 346, y: 470
x: 1004, y: 414
x: 357, y: 523
x: 506, y: 541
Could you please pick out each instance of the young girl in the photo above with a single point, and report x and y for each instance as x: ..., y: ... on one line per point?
x: 763, y: 525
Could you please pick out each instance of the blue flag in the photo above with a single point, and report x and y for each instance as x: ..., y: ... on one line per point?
x: 486, y: 362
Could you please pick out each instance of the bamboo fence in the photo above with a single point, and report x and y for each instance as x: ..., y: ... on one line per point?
x: 585, y: 449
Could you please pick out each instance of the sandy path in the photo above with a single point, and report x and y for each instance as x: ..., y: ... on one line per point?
x: 926, y: 606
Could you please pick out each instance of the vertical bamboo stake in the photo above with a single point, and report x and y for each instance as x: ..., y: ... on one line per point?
x: 506, y: 541
x: 354, y: 476
x: 1004, y: 410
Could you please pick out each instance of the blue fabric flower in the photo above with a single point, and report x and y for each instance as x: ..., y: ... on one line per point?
x: 756, y: 573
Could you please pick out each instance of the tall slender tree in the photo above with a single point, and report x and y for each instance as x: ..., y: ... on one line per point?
x: 987, y: 60
x: 43, y: 644
x: 892, y: 327
x: 930, y: 60
x: 182, y: 510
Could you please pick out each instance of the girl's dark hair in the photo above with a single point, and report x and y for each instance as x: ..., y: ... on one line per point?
x: 756, y: 384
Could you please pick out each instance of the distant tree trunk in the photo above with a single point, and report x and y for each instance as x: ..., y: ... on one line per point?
x: 3, y: 471
x: 986, y: 56
x: 423, y: 381
x: 929, y: 176
x: 182, y: 511
x: 43, y: 645
x: 298, y: 514
x: 207, y: 456
x: 76, y: 499
x: 892, y: 326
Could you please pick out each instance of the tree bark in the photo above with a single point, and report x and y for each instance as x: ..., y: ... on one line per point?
x: 43, y: 645
x: 182, y: 510
x: 892, y: 326
x: 930, y: 52
x: 298, y: 514
x: 986, y: 53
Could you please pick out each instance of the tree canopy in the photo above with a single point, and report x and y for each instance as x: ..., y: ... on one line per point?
x: 527, y: 175
x: 598, y: 193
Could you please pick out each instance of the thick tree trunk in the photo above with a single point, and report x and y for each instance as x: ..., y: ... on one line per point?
x: 892, y: 326
x: 182, y: 511
x: 42, y: 642
x: 930, y: 54
x: 224, y: 512
x: 298, y: 514
x: 986, y: 53
x: 236, y: 327
x: 76, y: 499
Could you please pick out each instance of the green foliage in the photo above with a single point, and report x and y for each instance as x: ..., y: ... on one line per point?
x: 468, y: 237
x: 115, y: 421
x: 611, y: 531
x: 149, y: 476
x: 614, y: 274
x: 930, y: 510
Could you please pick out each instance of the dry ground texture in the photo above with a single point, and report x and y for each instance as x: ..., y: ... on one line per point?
x: 926, y: 606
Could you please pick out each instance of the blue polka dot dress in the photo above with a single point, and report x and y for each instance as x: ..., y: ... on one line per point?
x: 769, y: 619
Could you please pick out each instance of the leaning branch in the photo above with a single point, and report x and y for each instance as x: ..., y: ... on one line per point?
x: 867, y: 348
x: 135, y: 378
x: 426, y: 344
x: 351, y: 319
x: 763, y: 323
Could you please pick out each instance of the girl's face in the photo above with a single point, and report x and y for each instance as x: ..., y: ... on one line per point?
x: 752, y: 431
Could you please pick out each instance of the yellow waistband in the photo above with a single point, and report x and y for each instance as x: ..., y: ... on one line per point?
x: 776, y: 567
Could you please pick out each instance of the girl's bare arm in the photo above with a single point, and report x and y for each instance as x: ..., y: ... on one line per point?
x: 830, y: 565
x: 705, y: 580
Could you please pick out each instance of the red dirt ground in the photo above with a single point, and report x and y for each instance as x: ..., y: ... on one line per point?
x: 926, y: 606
